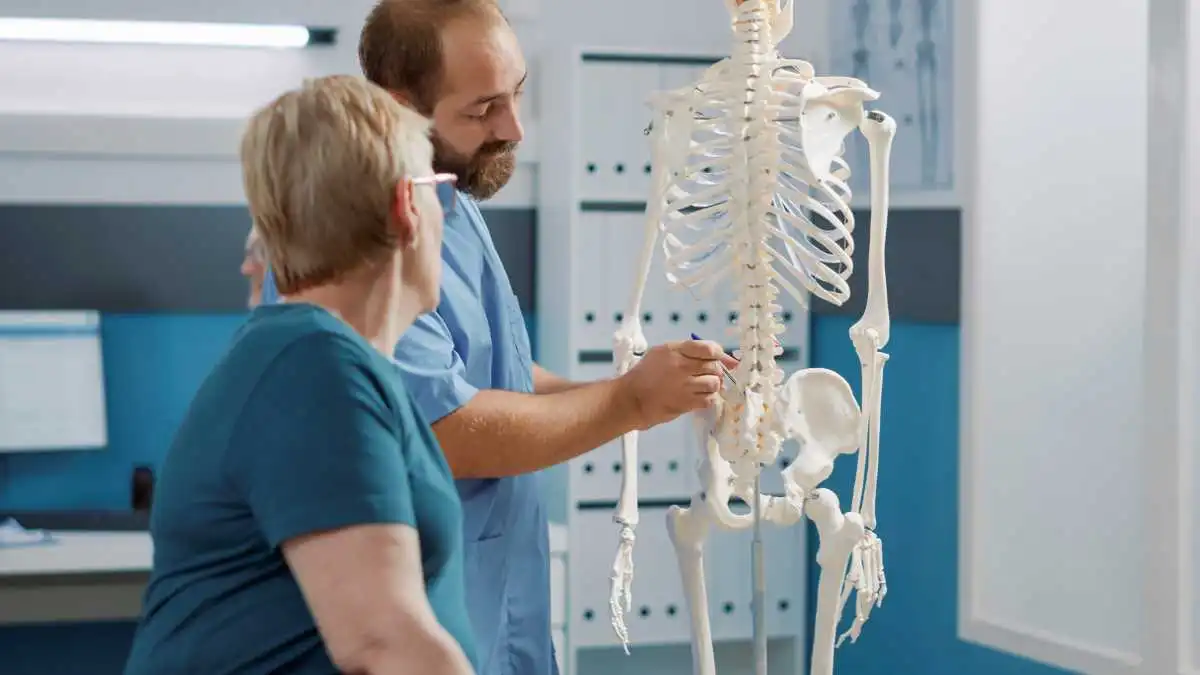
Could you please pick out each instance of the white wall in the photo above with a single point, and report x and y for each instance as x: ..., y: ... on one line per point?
x: 680, y: 26
x: 1071, y: 494
x: 1171, y: 310
x: 156, y: 124
x: 1189, y: 307
x: 1052, y: 342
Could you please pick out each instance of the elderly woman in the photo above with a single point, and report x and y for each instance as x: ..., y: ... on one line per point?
x: 305, y: 520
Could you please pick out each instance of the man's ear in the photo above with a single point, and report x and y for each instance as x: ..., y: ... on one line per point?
x: 404, y: 99
x: 404, y: 216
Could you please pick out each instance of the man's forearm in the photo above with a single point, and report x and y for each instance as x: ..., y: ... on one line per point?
x: 503, y: 433
x: 546, y: 382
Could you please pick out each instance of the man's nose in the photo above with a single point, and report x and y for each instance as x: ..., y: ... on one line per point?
x: 508, y: 127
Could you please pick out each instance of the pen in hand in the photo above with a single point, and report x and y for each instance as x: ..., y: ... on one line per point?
x: 725, y: 370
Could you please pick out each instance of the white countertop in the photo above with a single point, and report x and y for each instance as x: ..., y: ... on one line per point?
x: 117, y: 552
x: 85, y: 576
x: 80, y: 553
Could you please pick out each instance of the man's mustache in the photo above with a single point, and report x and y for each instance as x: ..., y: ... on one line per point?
x: 496, y: 148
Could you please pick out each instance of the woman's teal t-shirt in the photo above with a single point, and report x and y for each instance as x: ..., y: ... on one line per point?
x: 301, y: 427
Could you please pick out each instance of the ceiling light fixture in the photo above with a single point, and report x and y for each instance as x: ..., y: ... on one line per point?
x: 162, y: 33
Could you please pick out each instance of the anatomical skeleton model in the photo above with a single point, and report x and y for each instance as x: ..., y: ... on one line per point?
x: 750, y: 189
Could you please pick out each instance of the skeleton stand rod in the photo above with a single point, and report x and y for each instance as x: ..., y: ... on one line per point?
x: 759, y: 581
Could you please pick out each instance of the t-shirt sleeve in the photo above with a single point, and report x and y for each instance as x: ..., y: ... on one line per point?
x: 432, y: 370
x: 317, y: 447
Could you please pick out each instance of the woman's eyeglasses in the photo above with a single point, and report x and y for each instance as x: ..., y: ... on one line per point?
x: 256, y: 250
x: 446, y: 185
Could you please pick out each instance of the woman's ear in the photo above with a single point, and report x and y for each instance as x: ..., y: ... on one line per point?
x: 404, y: 217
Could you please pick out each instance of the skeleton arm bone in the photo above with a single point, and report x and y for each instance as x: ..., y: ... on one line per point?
x: 629, y: 345
x: 865, y: 580
x: 871, y: 333
x: 880, y: 131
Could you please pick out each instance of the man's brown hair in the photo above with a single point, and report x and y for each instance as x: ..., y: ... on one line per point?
x: 400, y: 48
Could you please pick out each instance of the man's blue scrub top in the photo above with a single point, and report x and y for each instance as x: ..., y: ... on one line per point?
x: 477, y: 340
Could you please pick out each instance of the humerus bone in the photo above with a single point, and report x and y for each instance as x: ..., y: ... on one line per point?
x: 750, y: 189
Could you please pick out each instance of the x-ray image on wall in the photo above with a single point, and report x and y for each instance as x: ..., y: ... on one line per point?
x: 902, y: 49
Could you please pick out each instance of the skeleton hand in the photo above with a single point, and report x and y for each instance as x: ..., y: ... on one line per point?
x: 620, y: 599
x: 866, y: 579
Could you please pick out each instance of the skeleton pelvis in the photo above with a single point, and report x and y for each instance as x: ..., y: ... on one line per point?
x: 818, y: 409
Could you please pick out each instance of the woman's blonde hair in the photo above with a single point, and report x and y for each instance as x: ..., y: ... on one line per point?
x: 320, y: 166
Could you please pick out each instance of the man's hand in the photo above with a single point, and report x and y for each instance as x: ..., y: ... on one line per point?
x: 676, y: 378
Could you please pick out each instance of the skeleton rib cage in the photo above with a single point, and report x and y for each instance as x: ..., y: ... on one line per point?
x: 811, y: 233
x: 750, y: 190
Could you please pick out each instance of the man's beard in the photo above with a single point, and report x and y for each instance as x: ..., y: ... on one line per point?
x: 482, y: 174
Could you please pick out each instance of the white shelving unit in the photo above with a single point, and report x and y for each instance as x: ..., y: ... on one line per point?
x: 593, y: 183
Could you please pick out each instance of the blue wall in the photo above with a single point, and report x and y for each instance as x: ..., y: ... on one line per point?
x: 155, y: 363
x: 915, y: 632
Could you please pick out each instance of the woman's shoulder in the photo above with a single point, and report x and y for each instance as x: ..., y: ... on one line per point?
x: 303, y: 351
x: 293, y: 333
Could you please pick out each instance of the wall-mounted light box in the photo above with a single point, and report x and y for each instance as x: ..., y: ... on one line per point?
x: 52, y: 393
x: 164, y: 33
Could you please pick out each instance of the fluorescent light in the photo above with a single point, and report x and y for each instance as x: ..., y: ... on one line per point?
x: 153, y: 32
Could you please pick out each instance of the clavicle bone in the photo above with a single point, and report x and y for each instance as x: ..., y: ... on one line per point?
x: 750, y: 189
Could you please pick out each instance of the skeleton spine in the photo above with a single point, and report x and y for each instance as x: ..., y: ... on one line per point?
x: 753, y: 60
